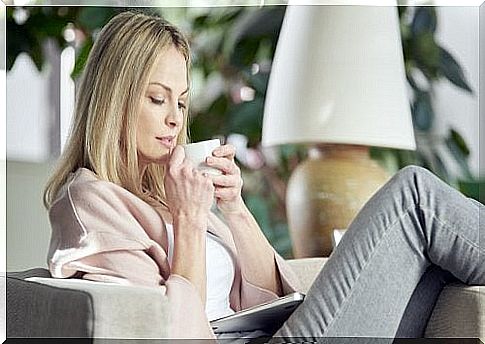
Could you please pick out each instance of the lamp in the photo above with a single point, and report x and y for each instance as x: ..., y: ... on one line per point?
x: 338, y: 84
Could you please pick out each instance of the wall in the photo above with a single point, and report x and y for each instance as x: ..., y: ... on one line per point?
x: 481, y: 59
x: 28, y: 227
x: 458, y: 32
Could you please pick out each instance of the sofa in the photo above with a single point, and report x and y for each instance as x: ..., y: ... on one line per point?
x: 41, y: 306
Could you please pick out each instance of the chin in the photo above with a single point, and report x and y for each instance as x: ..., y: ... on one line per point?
x: 161, y: 160
x: 156, y: 159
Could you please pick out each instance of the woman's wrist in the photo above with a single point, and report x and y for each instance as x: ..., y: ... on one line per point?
x: 190, y: 222
x: 236, y: 208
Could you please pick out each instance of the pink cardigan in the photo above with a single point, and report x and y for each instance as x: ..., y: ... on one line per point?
x: 105, y: 232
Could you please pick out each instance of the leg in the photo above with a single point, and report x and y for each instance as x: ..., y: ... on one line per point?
x: 413, y: 222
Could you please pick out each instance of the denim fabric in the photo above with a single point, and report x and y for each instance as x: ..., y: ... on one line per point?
x: 386, y: 264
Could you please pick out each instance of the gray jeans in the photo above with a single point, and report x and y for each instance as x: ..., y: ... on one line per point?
x: 411, y: 237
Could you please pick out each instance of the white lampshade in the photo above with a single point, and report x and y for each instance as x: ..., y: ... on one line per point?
x: 338, y: 77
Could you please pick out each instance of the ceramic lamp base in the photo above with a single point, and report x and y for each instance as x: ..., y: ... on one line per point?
x: 326, y: 191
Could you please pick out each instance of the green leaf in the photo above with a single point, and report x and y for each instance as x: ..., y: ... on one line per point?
x: 406, y: 157
x: 247, y: 118
x: 422, y: 111
x: 36, y: 54
x: 246, y: 37
x: 81, y: 58
x: 92, y: 18
x: 427, y: 54
x: 200, y: 22
x: 261, y: 23
x: 473, y: 188
x: 439, y: 167
x: 424, y: 160
x: 460, y: 142
x: 405, y: 31
x: 386, y: 157
x: 17, y: 42
x: 244, y: 52
x: 47, y: 26
x: 424, y: 20
x: 458, y: 154
x: 211, y: 122
x: 259, y: 82
x: 227, y: 16
x: 452, y: 70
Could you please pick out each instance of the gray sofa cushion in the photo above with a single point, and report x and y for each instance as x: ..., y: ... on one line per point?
x: 36, y: 310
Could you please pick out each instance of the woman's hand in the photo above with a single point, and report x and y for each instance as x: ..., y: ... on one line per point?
x: 189, y: 192
x: 228, y: 186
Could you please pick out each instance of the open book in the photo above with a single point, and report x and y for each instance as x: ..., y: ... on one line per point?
x: 267, y: 316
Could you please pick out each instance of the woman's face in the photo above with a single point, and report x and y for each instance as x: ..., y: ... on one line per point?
x: 162, y: 109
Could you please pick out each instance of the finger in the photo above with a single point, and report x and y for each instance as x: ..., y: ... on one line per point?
x: 224, y: 164
x: 225, y: 180
x: 189, y: 163
x: 226, y: 194
x: 187, y: 170
x: 177, y: 156
x: 227, y: 151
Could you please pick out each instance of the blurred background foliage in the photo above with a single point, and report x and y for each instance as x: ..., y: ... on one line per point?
x: 232, y: 49
x: 426, y: 64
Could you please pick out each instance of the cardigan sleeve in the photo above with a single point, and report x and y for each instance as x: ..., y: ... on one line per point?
x: 98, y: 234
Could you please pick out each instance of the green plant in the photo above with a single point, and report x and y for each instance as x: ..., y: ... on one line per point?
x: 426, y: 63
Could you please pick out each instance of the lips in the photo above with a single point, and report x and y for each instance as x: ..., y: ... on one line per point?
x: 167, y: 141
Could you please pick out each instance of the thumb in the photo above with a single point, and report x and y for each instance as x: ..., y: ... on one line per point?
x: 177, y: 156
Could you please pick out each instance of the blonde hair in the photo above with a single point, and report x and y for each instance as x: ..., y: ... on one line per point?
x: 114, y: 80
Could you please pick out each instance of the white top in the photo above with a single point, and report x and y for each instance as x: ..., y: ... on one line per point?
x: 220, y: 275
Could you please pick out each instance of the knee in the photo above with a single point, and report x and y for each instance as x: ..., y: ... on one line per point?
x: 415, y: 176
x: 411, y: 172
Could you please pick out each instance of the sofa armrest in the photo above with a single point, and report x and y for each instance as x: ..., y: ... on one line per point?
x: 109, y: 311
x: 35, y: 310
x: 306, y: 269
x: 459, y: 312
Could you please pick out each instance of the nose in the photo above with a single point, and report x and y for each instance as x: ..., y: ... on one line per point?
x: 174, y: 118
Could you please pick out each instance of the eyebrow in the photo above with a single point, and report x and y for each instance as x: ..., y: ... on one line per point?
x: 168, y: 88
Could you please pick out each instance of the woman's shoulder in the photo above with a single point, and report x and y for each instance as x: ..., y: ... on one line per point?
x: 85, y: 190
x: 85, y: 180
x: 88, y: 204
x: 85, y: 185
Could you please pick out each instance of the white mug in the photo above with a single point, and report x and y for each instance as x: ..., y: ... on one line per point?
x: 198, y: 152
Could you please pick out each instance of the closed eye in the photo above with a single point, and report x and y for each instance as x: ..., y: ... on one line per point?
x: 157, y: 101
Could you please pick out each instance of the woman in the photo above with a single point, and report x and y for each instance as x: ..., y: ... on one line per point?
x: 126, y: 206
